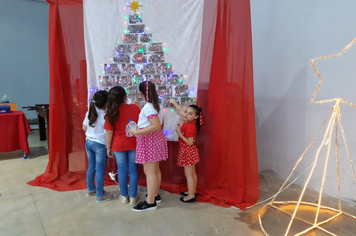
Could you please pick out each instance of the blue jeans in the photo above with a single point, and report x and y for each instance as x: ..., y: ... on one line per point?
x: 97, y: 157
x: 126, y: 165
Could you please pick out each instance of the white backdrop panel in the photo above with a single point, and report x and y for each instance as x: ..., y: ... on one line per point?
x: 176, y: 23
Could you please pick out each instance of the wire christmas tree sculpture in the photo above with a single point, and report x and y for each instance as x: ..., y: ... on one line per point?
x: 334, y: 123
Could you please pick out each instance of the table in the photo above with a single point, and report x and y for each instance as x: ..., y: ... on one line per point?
x: 43, y: 119
x: 14, y: 130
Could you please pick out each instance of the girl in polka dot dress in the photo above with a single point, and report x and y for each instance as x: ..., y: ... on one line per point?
x: 151, y: 145
x: 188, y: 154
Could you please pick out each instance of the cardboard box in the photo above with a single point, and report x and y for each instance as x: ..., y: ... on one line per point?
x: 12, y: 106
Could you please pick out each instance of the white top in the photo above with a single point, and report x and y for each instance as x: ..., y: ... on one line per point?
x: 96, y: 133
x: 147, y: 112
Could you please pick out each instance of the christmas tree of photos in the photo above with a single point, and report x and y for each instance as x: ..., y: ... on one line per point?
x: 137, y: 58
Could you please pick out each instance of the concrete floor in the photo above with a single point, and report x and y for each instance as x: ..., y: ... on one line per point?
x: 27, y: 210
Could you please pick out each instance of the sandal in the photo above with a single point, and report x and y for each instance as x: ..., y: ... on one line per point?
x: 186, y: 194
x: 188, y: 201
x: 90, y: 193
x: 105, y: 198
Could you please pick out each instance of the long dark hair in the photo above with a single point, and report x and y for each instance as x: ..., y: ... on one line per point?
x: 116, y: 98
x: 152, y: 94
x: 99, y: 100
x: 198, y: 112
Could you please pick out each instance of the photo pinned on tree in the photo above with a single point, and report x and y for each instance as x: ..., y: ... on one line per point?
x: 124, y: 69
x: 129, y: 38
x: 131, y: 91
x: 181, y: 91
x: 137, y: 79
x: 136, y: 29
x: 164, y: 91
x: 135, y: 18
x: 112, y: 69
x: 156, y: 79
x: 122, y: 58
x: 139, y: 48
x: 139, y: 58
x: 146, y: 38
x: 156, y: 57
x: 164, y: 68
x: 168, y: 104
x: 148, y: 68
x: 186, y: 101
x: 132, y: 69
x: 112, y: 80
x: 124, y: 81
x: 163, y: 79
x: 122, y: 48
x: 174, y: 79
x: 155, y: 47
x: 108, y: 80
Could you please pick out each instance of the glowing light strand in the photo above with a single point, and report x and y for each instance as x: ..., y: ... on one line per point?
x: 321, y: 78
x: 334, y: 121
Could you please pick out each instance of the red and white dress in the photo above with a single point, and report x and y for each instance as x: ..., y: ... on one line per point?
x: 188, y: 155
x: 150, y: 147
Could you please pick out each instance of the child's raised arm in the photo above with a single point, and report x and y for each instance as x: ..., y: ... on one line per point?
x: 175, y: 104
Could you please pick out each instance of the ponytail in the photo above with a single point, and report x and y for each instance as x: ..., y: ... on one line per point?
x: 99, y: 100
x: 116, y: 98
x: 93, y: 115
x: 199, y: 120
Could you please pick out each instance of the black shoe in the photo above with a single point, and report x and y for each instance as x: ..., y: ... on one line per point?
x: 157, y: 198
x: 185, y: 194
x: 190, y: 200
x: 144, y: 206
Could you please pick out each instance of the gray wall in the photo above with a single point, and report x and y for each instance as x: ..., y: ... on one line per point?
x: 286, y: 35
x: 24, y: 52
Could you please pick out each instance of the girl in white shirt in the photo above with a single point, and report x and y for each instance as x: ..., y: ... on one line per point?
x: 95, y: 146
x: 151, y: 145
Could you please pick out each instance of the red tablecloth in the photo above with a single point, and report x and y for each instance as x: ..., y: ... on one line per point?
x: 14, y: 130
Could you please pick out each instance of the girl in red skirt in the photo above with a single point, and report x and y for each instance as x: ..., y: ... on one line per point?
x: 188, y: 154
x: 151, y: 145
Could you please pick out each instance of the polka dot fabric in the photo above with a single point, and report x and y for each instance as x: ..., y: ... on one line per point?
x: 187, y: 155
x: 151, y: 147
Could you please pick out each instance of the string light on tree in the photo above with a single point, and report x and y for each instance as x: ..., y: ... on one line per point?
x: 137, y: 58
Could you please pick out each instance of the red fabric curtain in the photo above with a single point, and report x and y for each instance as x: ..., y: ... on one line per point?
x: 231, y: 169
x: 68, y: 98
x: 228, y: 171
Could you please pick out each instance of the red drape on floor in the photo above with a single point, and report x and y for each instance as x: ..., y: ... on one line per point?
x: 228, y: 171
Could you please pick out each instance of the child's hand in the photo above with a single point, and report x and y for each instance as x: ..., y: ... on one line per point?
x: 171, y: 100
x: 110, y: 153
x: 133, y: 131
x: 178, y: 130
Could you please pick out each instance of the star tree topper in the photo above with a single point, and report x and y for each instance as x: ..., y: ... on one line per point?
x: 134, y: 6
x: 321, y: 78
